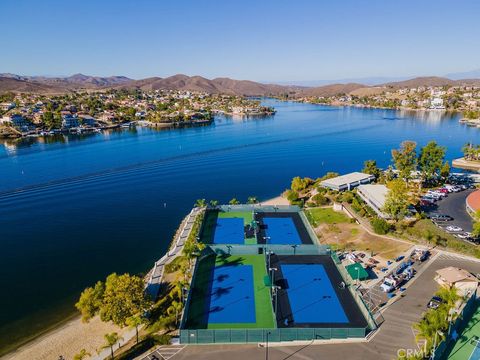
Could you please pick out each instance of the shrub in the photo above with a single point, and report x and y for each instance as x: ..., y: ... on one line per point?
x: 380, y: 226
x: 347, y: 197
x: 175, y: 265
x: 320, y: 199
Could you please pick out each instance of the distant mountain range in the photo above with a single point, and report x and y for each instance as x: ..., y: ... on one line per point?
x: 54, y: 85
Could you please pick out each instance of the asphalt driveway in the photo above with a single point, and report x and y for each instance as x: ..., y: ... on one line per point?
x: 454, y: 205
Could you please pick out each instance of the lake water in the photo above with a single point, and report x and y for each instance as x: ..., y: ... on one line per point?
x: 73, y: 211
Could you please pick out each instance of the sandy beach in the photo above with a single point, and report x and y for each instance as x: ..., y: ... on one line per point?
x: 67, y: 340
x: 279, y: 200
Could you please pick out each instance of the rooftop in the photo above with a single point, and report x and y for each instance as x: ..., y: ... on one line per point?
x: 452, y: 275
x: 347, y: 179
x: 375, y: 193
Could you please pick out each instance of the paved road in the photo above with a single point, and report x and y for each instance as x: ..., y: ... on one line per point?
x: 454, y: 205
x: 396, y: 332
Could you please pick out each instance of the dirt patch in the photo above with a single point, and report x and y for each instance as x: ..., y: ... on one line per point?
x: 352, y: 237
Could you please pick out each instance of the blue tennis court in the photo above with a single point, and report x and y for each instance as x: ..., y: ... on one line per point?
x: 229, y: 231
x: 475, y: 355
x: 281, y: 231
x: 232, y: 299
x: 311, y: 295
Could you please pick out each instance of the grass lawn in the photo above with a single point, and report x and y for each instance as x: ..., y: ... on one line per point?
x: 199, y: 305
x: 246, y: 215
x: 463, y: 348
x: 320, y: 216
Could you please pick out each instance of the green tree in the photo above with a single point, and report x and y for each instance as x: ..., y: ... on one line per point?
x: 213, y: 203
x: 82, y: 355
x: 90, y: 301
x: 299, y: 184
x: 110, y: 340
x: 370, y: 167
x: 445, y: 170
x: 51, y: 121
x: 123, y: 298
x: 175, y: 308
x: 430, y: 160
x: 396, y: 201
x: 135, y: 321
x: 405, y: 159
x: 380, y: 226
x: 252, y: 200
x: 234, y: 201
x: 200, y: 203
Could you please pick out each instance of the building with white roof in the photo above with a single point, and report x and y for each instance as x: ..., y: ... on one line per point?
x: 374, y: 196
x: 348, y: 181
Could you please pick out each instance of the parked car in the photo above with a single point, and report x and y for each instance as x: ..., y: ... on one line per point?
x: 436, y: 193
x: 465, y: 236
x: 420, y: 254
x: 453, y: 228
x: 440, y: 217
x: 434, y: 302
x: 443, y: 190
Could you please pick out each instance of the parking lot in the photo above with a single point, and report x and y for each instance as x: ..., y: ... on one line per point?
x: 454, y: 206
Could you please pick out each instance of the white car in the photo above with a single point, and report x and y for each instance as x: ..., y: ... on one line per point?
x: 437, y: 193
x: 453, y: 228
x: 465, y: 235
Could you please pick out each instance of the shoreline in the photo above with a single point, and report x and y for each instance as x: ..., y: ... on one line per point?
x: 71, y: 335
x: 66, y: 339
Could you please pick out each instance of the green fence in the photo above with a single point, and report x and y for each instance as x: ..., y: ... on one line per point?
x: 277, y: 249
x: 243, y: 336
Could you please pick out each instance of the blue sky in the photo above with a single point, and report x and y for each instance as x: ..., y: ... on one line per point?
x: 258, y: 40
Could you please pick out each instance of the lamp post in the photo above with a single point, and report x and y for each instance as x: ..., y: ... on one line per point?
x: 269, y: 254
x: 272, y: 278
x: 266, y: 347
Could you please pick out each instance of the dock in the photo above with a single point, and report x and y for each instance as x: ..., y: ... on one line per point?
x: 461, y: 163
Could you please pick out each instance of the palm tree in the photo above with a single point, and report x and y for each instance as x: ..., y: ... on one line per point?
x: 200, y: 203
x: 135, y: 321
x: 175, y: 308
x: 110, y: 340
x: 81, y: 355
x: 252, y: 200
x: 213, y: 203
x: 234, y: 201
x: 449, y: 296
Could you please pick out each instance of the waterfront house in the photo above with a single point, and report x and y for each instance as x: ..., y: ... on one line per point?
x: 374, y: 196
x: 69, y: 121
x: 19, y: 122
x: 347, y: 181
x: 87, y: 120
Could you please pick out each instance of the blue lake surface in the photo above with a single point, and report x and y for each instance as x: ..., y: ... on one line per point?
x: 73, y: 211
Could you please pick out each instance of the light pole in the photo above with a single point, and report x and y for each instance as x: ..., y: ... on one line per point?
x: 266, y: 347
x: 272, y: 279
x: 269, y: 254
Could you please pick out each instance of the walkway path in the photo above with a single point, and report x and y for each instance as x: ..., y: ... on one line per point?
x: 156, y: 274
